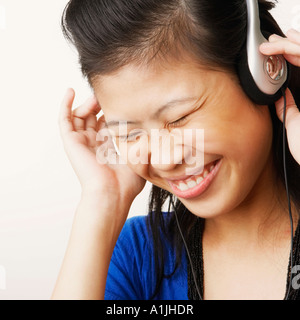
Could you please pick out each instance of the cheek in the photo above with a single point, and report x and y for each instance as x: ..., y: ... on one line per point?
x: 254, y: 137
x: 247, y: 148
x: 243, y: 136
x: 240, y: 129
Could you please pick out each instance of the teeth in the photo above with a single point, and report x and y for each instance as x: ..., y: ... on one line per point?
x: 199, y: 180
x: 183, y: 187
x: 191, y: 183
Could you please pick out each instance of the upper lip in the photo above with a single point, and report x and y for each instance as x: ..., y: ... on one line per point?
x: 184, y: 177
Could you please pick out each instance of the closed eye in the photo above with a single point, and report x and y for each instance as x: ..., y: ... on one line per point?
x: 178, y: 122
x: 132, y: 137
x: 128, y: 138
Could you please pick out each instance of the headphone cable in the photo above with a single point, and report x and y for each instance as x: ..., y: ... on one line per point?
x: 287, y: 192
x: 186, y: 249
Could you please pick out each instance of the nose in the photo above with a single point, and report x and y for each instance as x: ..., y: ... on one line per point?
x: 166, y: 159
x: 166, y: 150
x: 169, y: 150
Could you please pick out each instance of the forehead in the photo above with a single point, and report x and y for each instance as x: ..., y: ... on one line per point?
x: 136, y: 90
x: 139, y: 85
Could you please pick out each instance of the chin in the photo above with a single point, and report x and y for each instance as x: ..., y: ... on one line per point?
x: 217, y: 201
x: 205, y: 211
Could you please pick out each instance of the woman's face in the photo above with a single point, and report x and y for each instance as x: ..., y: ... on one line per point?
x: 182, y: 96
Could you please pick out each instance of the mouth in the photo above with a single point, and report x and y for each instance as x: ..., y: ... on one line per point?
x: 194, y: 186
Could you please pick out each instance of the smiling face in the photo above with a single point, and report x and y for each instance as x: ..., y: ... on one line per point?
x: 237, y: 134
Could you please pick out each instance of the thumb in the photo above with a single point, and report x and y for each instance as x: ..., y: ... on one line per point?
x: 291, y: 108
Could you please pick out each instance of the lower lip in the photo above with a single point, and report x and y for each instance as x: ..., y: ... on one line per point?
x: 200, y: 188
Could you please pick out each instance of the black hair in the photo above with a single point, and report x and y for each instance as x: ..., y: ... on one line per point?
x: 110, y: 34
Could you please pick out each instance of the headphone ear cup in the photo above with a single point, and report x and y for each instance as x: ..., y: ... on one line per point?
x: 249, y: 85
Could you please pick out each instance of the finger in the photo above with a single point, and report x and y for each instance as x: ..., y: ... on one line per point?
x: 94, y: 121
x: 291, y: 108
x: 292, y: 59
x: 283, y: 46
x: 102, y: 130
x: 91, y: 123
x: 91, y: 106
x: 88, y: 110
x: 101, y: 123
x: 78, y: 123
x: 65, y: 115
x: 275, y: 37
x: 294, y: 36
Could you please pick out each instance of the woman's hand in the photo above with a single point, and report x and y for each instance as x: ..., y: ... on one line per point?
x: 292, y: 123
x: 79, y: 129
x: 290, y: 48
x: 107, y: 194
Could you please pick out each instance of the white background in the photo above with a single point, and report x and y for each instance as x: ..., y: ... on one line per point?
x: 38, y: 190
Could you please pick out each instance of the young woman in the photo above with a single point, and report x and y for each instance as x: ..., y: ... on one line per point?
x: 171, y: 64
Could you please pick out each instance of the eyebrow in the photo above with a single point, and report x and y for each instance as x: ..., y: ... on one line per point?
x: 165, y: 107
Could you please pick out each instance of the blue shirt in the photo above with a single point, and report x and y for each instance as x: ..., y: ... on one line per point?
x: 131, y: 274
